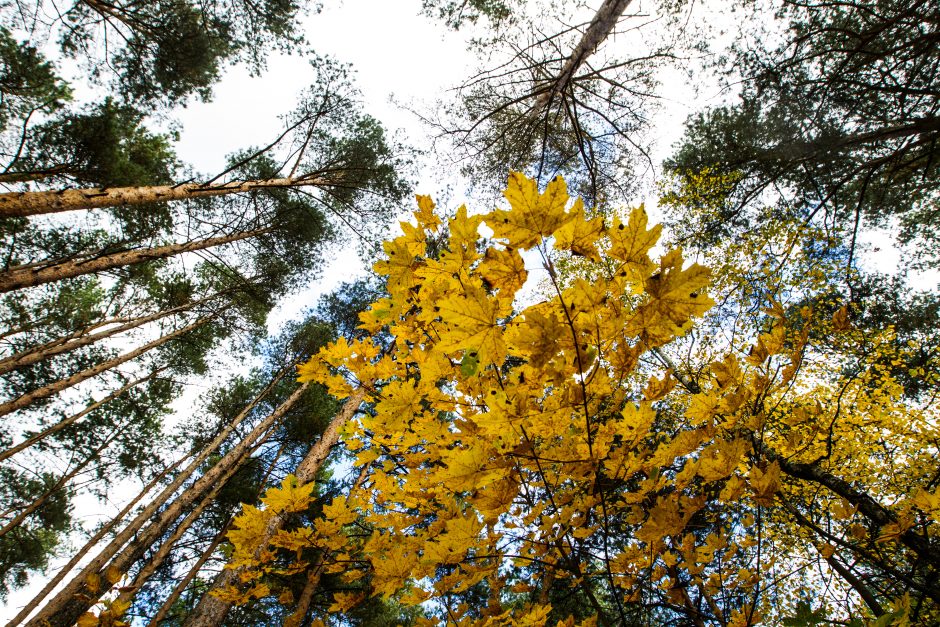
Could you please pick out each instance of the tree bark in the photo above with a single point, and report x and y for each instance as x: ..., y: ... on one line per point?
x: 63, y: 384
x: 211, y: 610
x: 127, y: 592
x: 76, y: 597
x: 92, y: 543
x: 178, y: 590
x: 20, y: 277
x: 13, y: 450
x: 604, y: 22
x: 69, y: 343
x: 14, y: 204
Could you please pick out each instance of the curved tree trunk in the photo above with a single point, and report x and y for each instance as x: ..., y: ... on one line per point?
x: 63, y: 384
x: 13, y: 204
x: 212, y: 610
x: 76, y: 597
x: 13, y: 450
x: 20, y: 277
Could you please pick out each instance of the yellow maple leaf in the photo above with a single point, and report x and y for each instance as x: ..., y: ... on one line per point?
x: 503, y: 269
x: 427, y: 219
x: 532, y: 215
x: 292, y: 496
x: 765, y: 483
x: 631, y: 242
x: 471, y: 323
x: 580, y: 234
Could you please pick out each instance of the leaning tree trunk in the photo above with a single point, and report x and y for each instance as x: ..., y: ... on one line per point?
x: 69, y: 343
x: 63, y: 384
x: 42, y: 435
x: 18, y: 204
x: 91, y: 544
x: 77, y: 597
x: 20, y: 277
x: 600, y: 28
x: 181, y: 586
x: 211, y: 610
x: 156, y: 560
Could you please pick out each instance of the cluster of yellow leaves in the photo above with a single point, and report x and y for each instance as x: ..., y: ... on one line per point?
x: 507, y: 435
x: 516, y: 436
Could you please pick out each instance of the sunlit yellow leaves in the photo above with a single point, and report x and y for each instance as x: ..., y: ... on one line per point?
x: 675, y: 296
x: 425, y: 215
x: 468, y: 468
x: 580, y: 234
x: 392, y: 569
x: 503, y: 269
x: 532, y: 216
x: 631, y: 242
x: 765, y: 483
x: 459, y: 536
x: 470, y: 322
x: 292, y: 496
x: 720, y: 459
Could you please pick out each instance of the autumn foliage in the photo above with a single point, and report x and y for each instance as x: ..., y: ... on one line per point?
x: 545, y: 462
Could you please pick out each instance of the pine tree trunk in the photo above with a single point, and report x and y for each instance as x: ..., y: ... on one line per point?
x: 76, y: 598
x: 600, y: 28
x: 13, y: 450
x: 211, y: 610
x: 156, y: 560
x: 74, y: 341
x: 18, y: 204
x: 178, y: 590
x: 20, y: 277
x: 63, y: 480
x: 180, y: 587
x: 63, y: 384
x: 91, y: 544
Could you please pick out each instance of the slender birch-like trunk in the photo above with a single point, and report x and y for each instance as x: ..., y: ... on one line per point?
x: 76, y: 597
x: 180, y: 587
x: 211, y: 610
x: 19, y: 277
x: 13, y: 450
x: 63, y: 384
x: 156, y: 560
x: 63, y: 480
x: 19, y: 204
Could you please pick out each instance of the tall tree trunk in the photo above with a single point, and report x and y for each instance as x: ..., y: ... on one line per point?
x: 73, y: 341
x: 211, y: 610
x: 156, y: 560
x: 19, y: 277
x: 91, y: 544
x: 180, y: 587
x: 63, y: 480
x: 14, y: 204
x: 600, y: 28
x: 63, y: 384
x: 13, y: 450
x: 76, y: 597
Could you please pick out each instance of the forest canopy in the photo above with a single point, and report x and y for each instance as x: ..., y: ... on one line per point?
x: 606, y: 360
